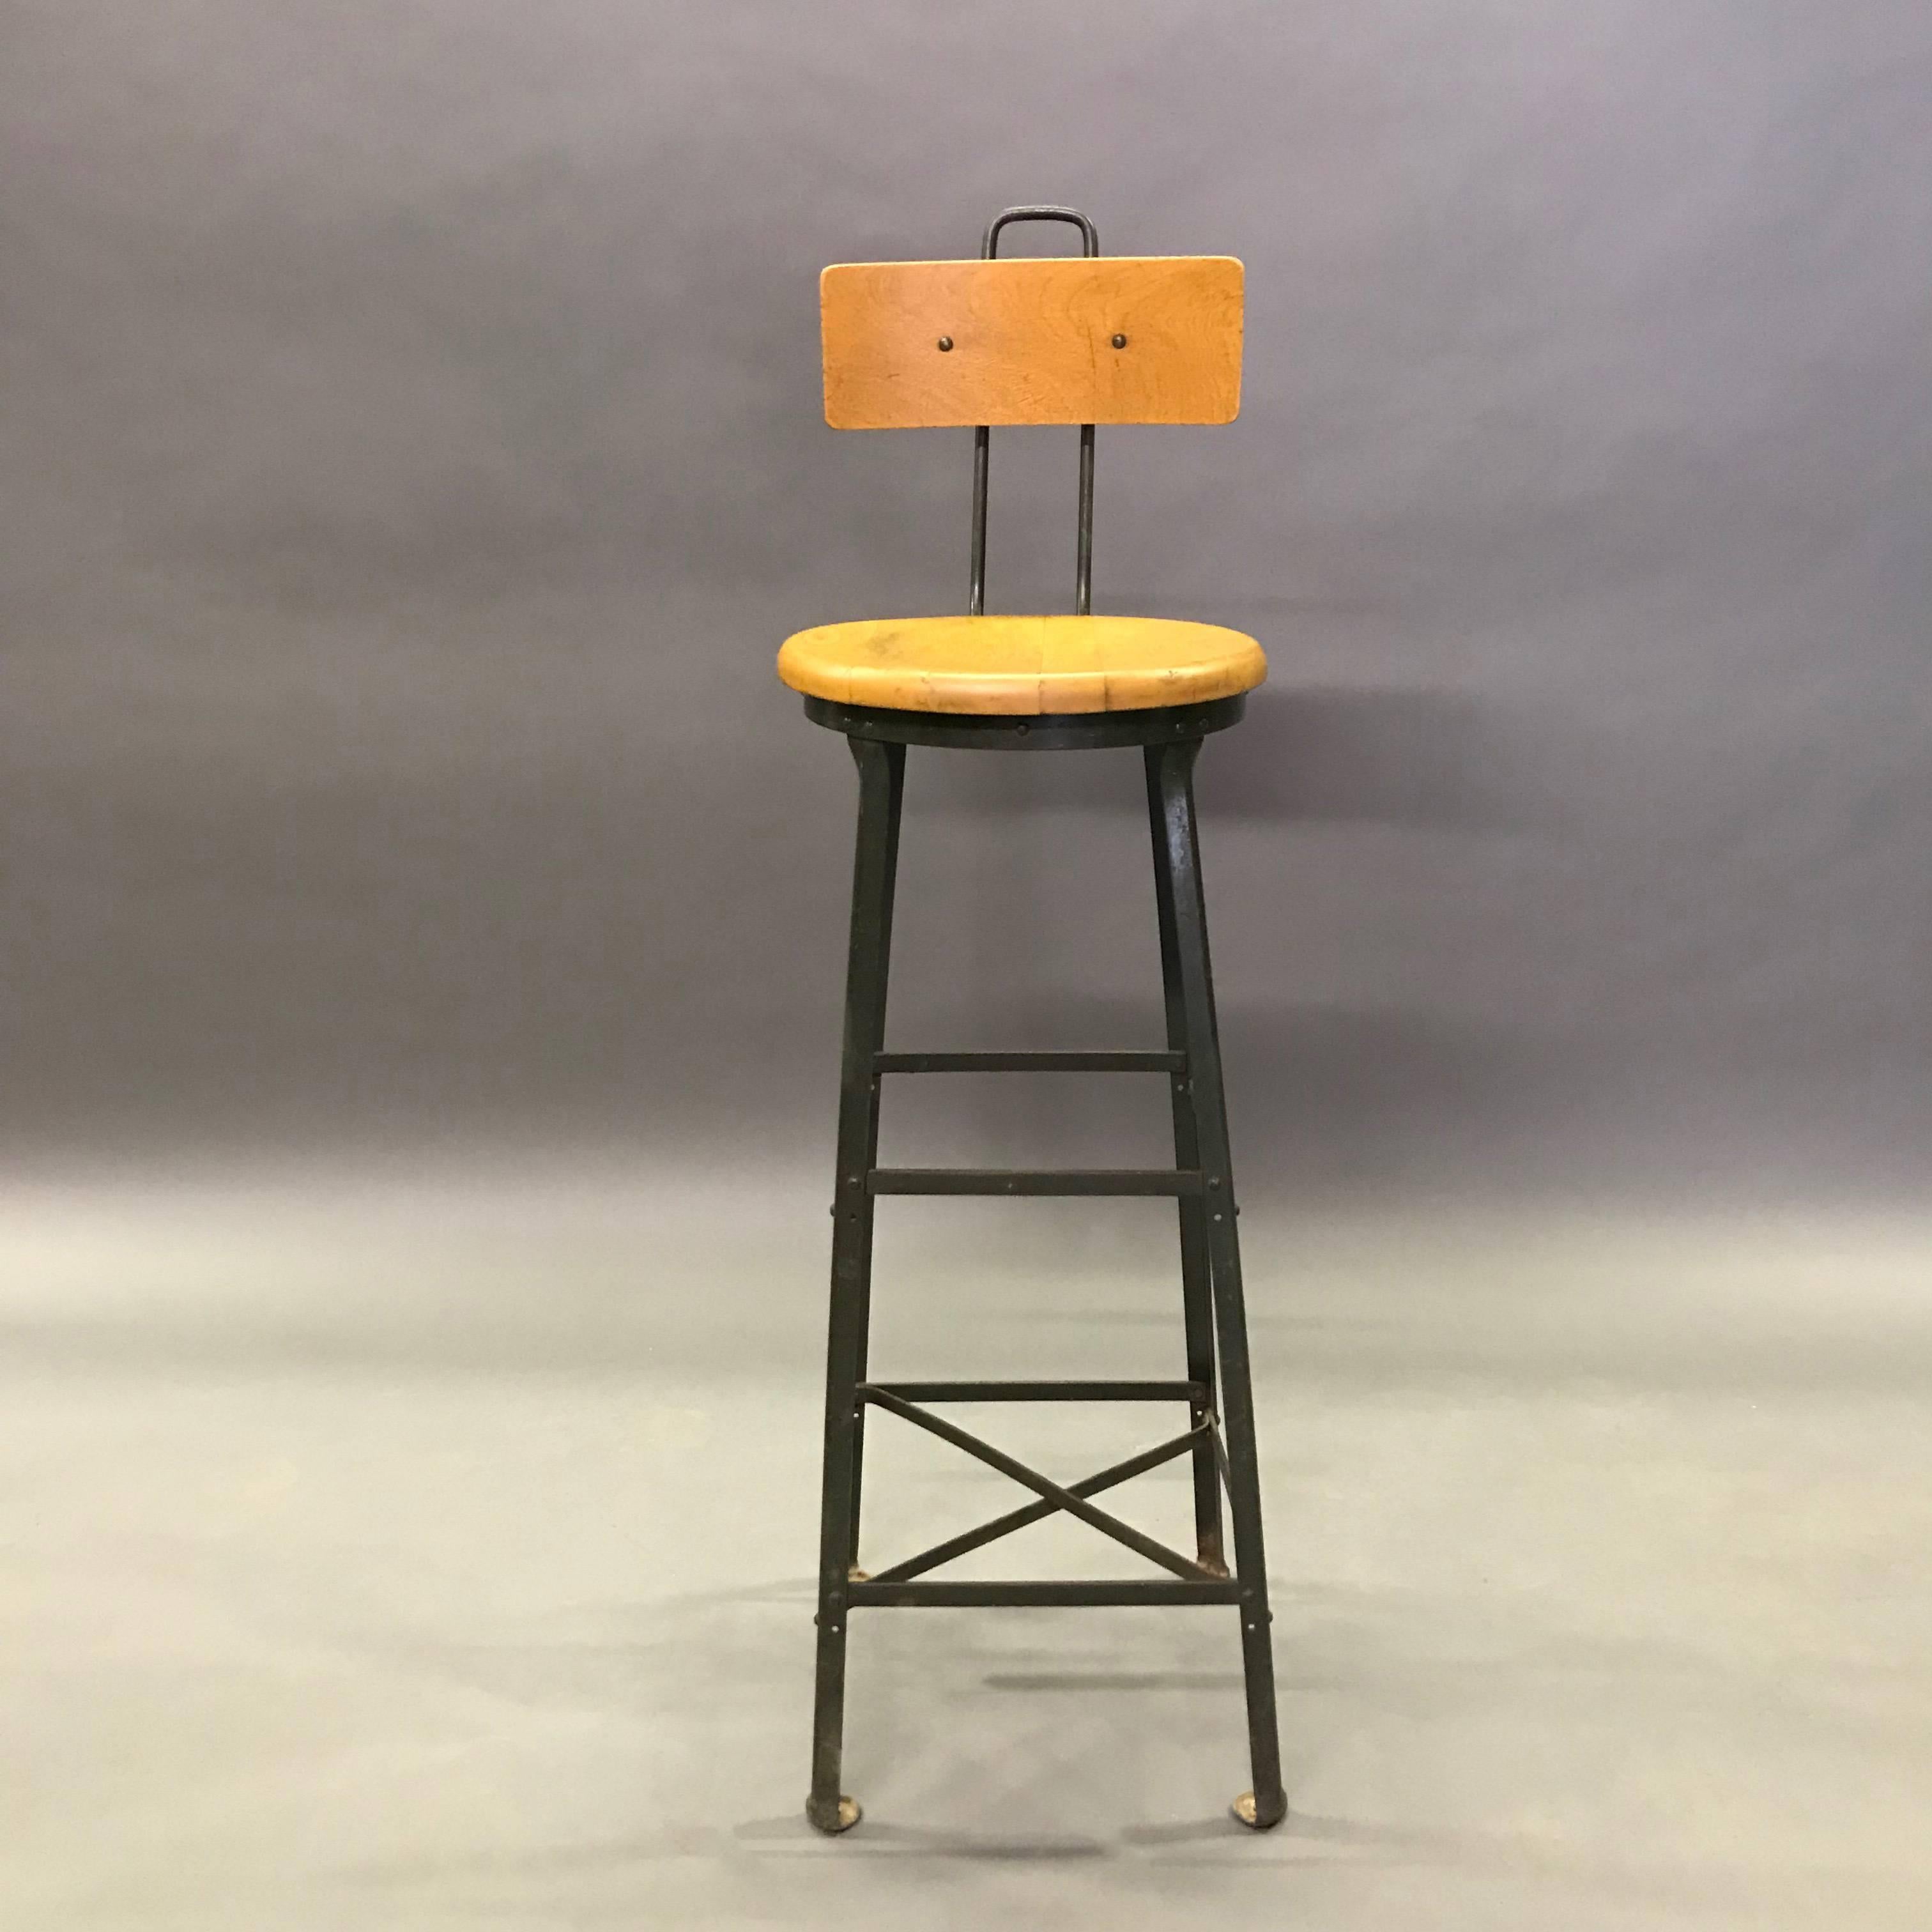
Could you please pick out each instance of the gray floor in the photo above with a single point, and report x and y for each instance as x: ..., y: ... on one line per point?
x: 433, y: 1550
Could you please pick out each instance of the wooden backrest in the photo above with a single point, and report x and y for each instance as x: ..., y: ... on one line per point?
x: 1098, y: 339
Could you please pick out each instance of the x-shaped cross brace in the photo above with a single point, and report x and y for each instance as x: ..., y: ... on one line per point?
x: 1054, y: 1498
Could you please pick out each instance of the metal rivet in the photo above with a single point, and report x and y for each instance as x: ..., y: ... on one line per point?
x: 1120, y: 342
x: 945, y: 343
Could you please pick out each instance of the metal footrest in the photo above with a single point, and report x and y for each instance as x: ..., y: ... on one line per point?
x: 1098, y: 1595
x: 1064, y: 1181
x: 1067, y: 1180
x: 1029, y: 1063
x: 1039, y: 1391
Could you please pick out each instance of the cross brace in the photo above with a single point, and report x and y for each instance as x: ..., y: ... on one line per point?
x: 1055, y: 1497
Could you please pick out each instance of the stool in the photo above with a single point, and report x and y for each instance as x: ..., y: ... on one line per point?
x: 1083, y: 339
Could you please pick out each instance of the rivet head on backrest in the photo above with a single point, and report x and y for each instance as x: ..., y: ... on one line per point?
x: 945, y: 343
x: 1120, y: 342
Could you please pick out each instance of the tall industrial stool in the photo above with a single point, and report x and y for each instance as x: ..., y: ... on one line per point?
x: 1083, y: 339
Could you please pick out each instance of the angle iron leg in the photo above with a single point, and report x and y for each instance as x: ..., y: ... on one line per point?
x: 1195, y: 1292
x: 896, y: 755
x: 881, y: 780
x: 1266, y: 1803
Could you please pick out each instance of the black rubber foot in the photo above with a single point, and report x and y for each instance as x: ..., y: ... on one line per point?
x: 1245, y: 1811
x: 841, y: 1817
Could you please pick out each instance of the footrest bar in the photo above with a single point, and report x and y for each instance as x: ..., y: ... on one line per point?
x: 972, y: 1596
x: 1038, y: 1391
x: 1029, y: 1063
x: 1034, y: 1180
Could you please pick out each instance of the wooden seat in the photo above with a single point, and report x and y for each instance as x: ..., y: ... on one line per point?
x: 1021, y: 667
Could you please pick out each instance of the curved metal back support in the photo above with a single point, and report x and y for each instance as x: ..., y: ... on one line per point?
x: 983, y: 436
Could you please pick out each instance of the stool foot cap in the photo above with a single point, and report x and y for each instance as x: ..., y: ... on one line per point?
x: 843, y: 1817
x: 1245, y: 1811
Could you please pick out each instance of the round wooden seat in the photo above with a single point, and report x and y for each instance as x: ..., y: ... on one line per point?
x: 1021, y: 667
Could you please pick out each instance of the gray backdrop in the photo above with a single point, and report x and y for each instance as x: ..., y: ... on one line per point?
x: 414, y: 459
x: 422, y: 917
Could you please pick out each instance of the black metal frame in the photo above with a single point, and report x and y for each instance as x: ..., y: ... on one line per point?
x: 1051, y: 731
x: 983, y: 437
x: 1220, y: 1438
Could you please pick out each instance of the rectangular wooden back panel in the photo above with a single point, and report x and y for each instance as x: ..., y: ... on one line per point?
x: 1032, y: 341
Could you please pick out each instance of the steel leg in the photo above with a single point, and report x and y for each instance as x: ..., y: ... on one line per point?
x: 1195, y: 1292
x: 881, y: 783
x: 884, y: 942
x: 1173, y: 768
